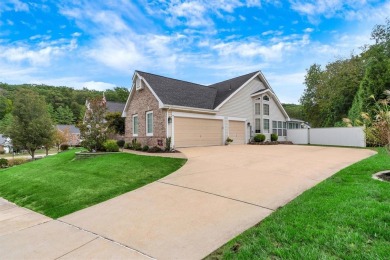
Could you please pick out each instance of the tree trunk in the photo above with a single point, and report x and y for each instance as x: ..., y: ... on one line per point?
x: 32, y: 153
x: 47, y: 150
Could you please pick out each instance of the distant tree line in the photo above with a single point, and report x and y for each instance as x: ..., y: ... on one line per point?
x: 65, y: 105
x: 345, y: 88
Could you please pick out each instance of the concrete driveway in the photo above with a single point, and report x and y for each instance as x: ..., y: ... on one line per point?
x: 218, y: 194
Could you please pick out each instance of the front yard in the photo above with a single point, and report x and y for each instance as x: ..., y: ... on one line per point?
x: 59, y: 185
x: 345, y: 217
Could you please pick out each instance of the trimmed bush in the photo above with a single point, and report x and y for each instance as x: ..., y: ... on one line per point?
x: 64, y: 147
x: 259, y: 138
x: 155, y: 149
x: 111, y: 146
x: 274, y: 137
x: 17, y: 161
x: 2, y: 152
x: 121, y: 143
x: 3, y: 163
x: 145, y: 148
x: 128, y: 146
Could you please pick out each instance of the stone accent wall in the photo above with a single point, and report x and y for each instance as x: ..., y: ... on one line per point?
x: 141, y: 102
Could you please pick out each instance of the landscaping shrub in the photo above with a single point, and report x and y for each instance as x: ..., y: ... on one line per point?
x: 154, y: 149
x: 3, y: 163
x: 145, y: 148
x: 111, y: 146
x: 274, y: 137
x: 168, y: 144
x: 120, y: 143
x: 259, y: 138
x: 17, y: 161
x: 64, y: 147
x: 2, y: 152
x: 128, y: 146
x: 136, y: 145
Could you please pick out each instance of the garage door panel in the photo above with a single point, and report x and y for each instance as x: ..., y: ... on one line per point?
x: 237, y: 132
x: 197, y: 132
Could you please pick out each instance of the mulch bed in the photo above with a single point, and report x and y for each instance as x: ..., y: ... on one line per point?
x: 271, y: 142
x: 385, y: 176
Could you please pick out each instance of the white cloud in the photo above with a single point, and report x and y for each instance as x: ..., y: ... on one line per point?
x: 251, y: 3
x: 308, y: 30
x: 97, y: 85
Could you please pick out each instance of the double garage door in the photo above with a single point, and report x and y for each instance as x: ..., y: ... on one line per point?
x: 190, y: 132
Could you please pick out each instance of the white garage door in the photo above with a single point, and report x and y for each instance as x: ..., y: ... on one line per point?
x: 237, y: 132
x: 197, y: 132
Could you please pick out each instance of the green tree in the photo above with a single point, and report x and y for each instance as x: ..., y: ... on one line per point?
x: 93, y: 130
x: 294, y: 111
x: 5, y: 106
x: 32, y: 126
x: 64, y: 115
x: 309, y: 99
x: 116, y: 123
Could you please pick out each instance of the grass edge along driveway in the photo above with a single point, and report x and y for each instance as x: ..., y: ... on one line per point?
x: 345, y: 217
x: 59, y: 185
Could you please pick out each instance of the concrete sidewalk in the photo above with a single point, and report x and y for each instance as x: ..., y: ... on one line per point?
x: 219, y: 193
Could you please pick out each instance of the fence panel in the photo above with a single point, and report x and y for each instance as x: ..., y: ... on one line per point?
x: 298, y: 136
x: 340, y: 136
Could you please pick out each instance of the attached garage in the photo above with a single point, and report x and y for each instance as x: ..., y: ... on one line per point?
x: 197, y: 132
x: 237, y: 132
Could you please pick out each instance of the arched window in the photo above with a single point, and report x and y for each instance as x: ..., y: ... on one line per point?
x: 266, y: 98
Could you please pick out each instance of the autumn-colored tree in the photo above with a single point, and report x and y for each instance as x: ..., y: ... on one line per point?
x: 94, y: 128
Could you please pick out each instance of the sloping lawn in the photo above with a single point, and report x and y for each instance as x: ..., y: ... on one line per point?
x: 344, y: 217
x: 58, y: 185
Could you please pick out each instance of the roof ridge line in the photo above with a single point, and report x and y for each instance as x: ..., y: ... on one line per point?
x: 233, y: 78
x: 172, y: 78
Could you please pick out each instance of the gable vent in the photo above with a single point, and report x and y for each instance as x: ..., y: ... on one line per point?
x: 138, y: 84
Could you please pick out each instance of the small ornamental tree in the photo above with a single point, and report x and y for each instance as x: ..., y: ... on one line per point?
x: 61, y: 137
x: 94, y: 128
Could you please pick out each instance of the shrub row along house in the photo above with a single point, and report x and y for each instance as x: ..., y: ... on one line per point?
x: 197, y: 115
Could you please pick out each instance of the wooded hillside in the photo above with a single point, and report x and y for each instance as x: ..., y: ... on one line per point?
x: 347, y: 87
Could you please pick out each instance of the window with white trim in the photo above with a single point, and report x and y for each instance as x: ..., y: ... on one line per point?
x: 257, y: 108
x: 279, y: 128
x: 266, y: 125
x: 266, y: 109
x: 135, y: 125
x: 257, y: 125
x: 149, y: 123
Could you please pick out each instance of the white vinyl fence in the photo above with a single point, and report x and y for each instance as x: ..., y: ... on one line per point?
x: 340, y: 136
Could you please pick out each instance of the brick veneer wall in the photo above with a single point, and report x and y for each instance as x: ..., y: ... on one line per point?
x: 144, y: 101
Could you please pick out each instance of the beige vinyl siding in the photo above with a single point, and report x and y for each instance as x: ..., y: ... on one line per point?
x: 241, y: 105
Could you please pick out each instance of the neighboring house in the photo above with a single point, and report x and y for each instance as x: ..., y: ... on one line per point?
x: 5, y: 144
x: 73, y: 138
x: 196, y: 115
x: 297, y: 124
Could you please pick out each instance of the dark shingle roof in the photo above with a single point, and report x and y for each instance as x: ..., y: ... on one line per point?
x: 180, y: 93
x: 183, y: 93
x: 227, y: 87
x: 115, y: 107
x: 72, y: 129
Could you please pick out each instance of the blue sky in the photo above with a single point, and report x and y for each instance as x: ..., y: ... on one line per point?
x: 98, y: 44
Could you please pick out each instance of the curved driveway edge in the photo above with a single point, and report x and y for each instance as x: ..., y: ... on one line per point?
x: 219, y: 193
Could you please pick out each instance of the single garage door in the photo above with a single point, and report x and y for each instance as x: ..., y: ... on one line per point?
x: 237, y: 132
x: 197, y: 132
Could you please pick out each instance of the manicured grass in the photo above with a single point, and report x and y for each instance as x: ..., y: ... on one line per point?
x: 345, y: 217
x: 58, y: 185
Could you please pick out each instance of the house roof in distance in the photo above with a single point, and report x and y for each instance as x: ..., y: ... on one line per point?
x: 72, y: 128
x: 183, y: 93
x: 113, y: 107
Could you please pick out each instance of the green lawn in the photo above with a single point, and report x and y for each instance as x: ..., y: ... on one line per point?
x: 344, y: 217
x: 58, y: 185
